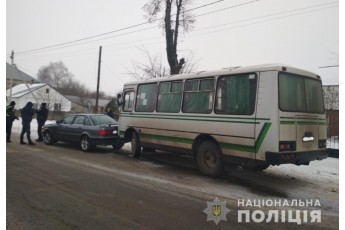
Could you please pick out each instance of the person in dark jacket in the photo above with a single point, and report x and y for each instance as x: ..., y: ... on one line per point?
x: 110, y: 113
x: 42, y: 116
x: 10, y: 117
x: 27, y: 113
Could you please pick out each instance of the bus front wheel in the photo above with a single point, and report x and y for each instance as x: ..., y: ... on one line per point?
x: 135, y: 145
x: 209, y: 159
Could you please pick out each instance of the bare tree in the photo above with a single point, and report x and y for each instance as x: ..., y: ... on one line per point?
x: 153, y: 66
x: 152, y: 69
x: 176, y: 16
x: 331, y: 97
x: 55, y: 74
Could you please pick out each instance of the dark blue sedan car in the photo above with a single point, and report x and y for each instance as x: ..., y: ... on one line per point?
x: 88, y: 130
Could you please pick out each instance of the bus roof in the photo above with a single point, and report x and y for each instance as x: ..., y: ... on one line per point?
x: 231, y: 70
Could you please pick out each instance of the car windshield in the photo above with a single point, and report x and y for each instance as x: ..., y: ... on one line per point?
x: 102, y: 120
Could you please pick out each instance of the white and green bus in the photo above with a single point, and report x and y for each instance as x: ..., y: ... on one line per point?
x: 251, y: 116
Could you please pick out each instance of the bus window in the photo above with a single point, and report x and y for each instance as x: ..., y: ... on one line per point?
x: 300, y: 94
x: 146, y: 98
x: 236, y: 94
x: 129, y: 100
x: 198, y: 96
x: 169, y: 97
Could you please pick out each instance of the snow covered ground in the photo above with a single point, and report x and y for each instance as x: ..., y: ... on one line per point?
x: 333, y: 142
x: 17, y: 127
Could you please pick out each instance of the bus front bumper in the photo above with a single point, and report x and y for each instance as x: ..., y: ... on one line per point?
x: 297, y: 158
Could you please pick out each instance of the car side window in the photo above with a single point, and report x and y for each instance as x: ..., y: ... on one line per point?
x: 79, y: 120
x: 87, y: 121
x: 68, y: 120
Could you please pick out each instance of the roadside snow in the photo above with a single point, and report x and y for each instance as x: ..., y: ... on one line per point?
x: 17, y: 126
x: 333, y: 142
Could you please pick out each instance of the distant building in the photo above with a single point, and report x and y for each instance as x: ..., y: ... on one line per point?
x: 18, y: 76
x: 42, y: 92
x: 77, y: 104
x: 89, y: 104
x: 331, y: 98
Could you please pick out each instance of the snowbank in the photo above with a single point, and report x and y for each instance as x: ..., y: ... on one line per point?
x: 17, y: 126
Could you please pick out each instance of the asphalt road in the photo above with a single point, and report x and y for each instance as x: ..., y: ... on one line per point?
x: 60, y: 187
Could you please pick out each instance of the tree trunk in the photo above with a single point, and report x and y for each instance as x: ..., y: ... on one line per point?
x: 172, y: 37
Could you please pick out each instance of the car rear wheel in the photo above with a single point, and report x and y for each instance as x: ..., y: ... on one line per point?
x: 135, y: 145
x: 209, y: 159
x: 48, y: 138
x: 86, y: 144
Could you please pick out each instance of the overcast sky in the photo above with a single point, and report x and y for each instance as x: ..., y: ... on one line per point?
x: 300, y: 33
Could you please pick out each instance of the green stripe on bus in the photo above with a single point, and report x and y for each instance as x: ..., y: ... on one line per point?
x: 243, y: 148
x: 287, y: 122
x: 185, y: 119
x: 262, y: 136
x: 167, y: 138
x: 192, y: 116
x: 302, y: 123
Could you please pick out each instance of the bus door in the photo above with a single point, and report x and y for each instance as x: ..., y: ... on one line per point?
x: 126, y: 116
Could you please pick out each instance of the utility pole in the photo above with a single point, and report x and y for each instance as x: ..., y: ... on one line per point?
x: 98, y: 77
x: 11, y: 77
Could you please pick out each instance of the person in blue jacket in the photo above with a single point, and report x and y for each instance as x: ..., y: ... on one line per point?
x: 27, y: 113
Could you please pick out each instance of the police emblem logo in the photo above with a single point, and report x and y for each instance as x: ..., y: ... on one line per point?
x: 216, y: 210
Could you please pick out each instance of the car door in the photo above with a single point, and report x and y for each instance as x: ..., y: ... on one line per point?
x: 62, y: 132
x: 77, y: 128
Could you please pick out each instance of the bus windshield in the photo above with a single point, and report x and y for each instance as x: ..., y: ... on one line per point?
x: 300, y: 94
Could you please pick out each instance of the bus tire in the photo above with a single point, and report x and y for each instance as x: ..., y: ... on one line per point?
x: 209, y: 159
x: 135, y: 145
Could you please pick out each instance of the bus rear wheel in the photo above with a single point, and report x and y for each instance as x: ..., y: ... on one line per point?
x: 135, y: 145
x: 209, y: 159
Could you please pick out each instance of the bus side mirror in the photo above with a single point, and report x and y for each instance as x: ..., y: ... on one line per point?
x: 119, y: 99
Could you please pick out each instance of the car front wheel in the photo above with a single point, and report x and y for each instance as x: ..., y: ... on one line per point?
x: 86, y: 144
x: 48, y: 138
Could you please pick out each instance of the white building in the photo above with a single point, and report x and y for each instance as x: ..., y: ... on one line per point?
x: 37, y: 94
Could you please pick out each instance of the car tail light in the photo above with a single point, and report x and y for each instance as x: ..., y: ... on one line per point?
x: 103, y: 132
x: 322, y: 144
x: 287, y: 146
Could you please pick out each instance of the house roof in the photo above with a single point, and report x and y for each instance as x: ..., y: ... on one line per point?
x: 22, y: 89
x: 74, y: 99
x: 77, y: 99
x: 17, y: 74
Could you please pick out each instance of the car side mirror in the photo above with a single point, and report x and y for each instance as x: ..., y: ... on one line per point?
x: 119, y: 99
x: 58, y: 122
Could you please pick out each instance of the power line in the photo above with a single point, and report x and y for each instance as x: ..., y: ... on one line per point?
x: 329, y: 66
x: 238, y: 21
x: 114, y: 31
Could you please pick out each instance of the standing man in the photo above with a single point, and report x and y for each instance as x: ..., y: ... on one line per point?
x: 27, y: 113
x: 10, y: 117
x: 42, y: 116
x: 110, y: 113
